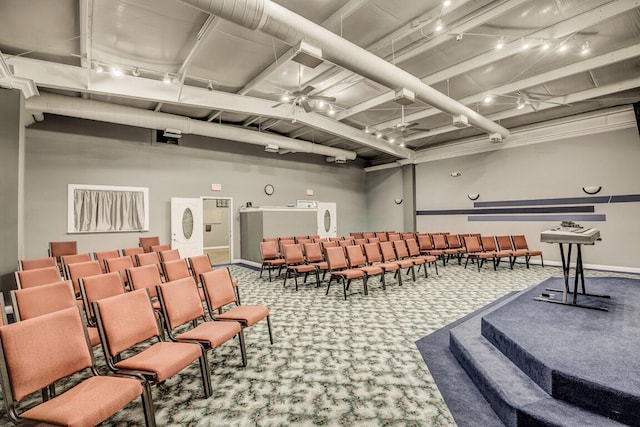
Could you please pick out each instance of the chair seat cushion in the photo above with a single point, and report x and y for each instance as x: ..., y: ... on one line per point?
x: 404, y: 263
x: 389, y: 266
x: 428, y: 258
x: 349, y: 274
x: 215, y: 333
x: 246, y: 314
x: 165, y: 359
x: 372, y: 270
x: 274, y: 262
x: 322, y: 265
x: 417, y: 260
x: 87, y: 404
x: 302, y: 268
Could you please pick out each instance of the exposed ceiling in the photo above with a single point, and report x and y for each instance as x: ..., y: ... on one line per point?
x: 391, y: 72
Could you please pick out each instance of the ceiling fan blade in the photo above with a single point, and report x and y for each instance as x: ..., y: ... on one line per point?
x: 307, y: 90
x: 323, y: 98
x: 307, y: 107
x: 278, y: 104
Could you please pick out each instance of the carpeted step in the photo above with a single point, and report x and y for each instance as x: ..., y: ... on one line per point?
x: 516, y: 399
x: 583, y: 357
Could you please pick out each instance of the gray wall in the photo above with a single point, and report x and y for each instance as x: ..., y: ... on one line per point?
x: 546, y: 170
x: 60, y: 151
x: 383, y: 214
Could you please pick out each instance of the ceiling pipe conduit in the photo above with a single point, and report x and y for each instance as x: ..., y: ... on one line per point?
x: 281, y: 23
x: 131, y: 116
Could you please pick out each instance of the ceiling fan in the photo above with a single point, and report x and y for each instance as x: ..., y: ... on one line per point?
x: 402, y: 127
x: 302, y: 98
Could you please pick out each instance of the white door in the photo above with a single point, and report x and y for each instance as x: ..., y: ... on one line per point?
x: 327, y: 219
x: 186, y: 226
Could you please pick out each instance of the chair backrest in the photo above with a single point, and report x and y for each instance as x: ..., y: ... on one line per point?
x: 32, y: 302
x: 145, y: 276
x: 452, y: 241
x: 367, y: 235
x: 382, y: 235
x: 101, y: 256
x: 439, y: 241
x: 372, y: 252
x: 345, y: 243
x: 148, y: 258
x: 42, y: 350
x: 218, y: 287
x: 126, y: 320
x: 293, y: 254
x: 329, y: 244
x: 176, y: 269
x: 356, y: 234
x: 32, y: 264
x: 504, y: 243
x: 285, y: 242
x: 335, y: 238
x: 488, y: 243
x: 36, y: 277
x: 180, y: 301
x: 313, y: 252
x: 425, y: 243
x: 169, y: 255
x: 200, y: 264
x: 406, y: 236
x: 412, y: 247
x: 101, y: 286
x: 388, y: 253
x: 147, y: 242
x: 401, y: 248
x: 132, y: 252
x: 121, y: 265
x: 160, y: 248
x: 356, y: 256
x: 73, y: 259
x: 520, y: 242
x: 298, y: 238
x: 472, y: 244
x: 373, y: 240
x: 82, y: 269
x: 360, y: 241
x: 268, y: 250
x: 335, y: 258
x: 393, y: 237
x: 58, y: 249
x: 270, y: 239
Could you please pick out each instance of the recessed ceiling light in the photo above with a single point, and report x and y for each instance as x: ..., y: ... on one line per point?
x: 585, y: 48
x: 116, y: 72
x: 166, y: 79
x: 488, y: 99
x: 446, y: 3
x: 439, y: 25
x: 500, y: 43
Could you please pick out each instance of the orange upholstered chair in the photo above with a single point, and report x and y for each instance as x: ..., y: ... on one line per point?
x: 36, y: 277
x: 489, y: 245
x: 169, y: 255
x: 357, y: 259
x: 145, y: 277
x: 199, y: 264
x: 270, y: 257
x: 33, y: 302
x: 147, y: 242
x: 72, y: 259
x: 374, y: 257
x: 505, y: 245
x: 389, y: 255
x: 414, y: 252
x: 93, y: 288
x: 82, y: 269
x: 160, y: 248
x: 58, y: 249
x: 476, y: 253
x: 31, y: 264
x: 121, y: 265
x: 176, y: 269
x: 296, y: 264
x: 402, y: 254
x: 126, y: 320
x: 313, y: 255
x: 40, y: 351
x: 339, y: 270
x: 520, y: 243
x: 149, y: 258
x: 132, y: 252
x: 218, y: 286
x: 101, y: 256
x: 181, y: 304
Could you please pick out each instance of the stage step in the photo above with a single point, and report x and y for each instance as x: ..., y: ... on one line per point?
x: 517, y: 399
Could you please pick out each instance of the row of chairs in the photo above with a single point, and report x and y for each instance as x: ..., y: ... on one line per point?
x: 367, y: 259
x: 123, y: 320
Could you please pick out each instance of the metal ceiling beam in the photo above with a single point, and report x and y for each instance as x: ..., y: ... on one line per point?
x: 205, y: 31
x: 551, y: 103
x: 71, y: 78
x: 85, y: 8
x: 538, y: 79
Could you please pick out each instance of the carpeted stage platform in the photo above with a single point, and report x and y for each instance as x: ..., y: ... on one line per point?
x: 537, y: 363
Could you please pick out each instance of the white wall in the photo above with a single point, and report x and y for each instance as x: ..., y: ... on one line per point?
x: 554, y: 169
x: 61, y: 151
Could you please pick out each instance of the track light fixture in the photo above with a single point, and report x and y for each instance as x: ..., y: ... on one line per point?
x: 500, y: 43
x: 563, y: 47
x: 439, y: 25
x: 99, y: 68
x: 166, y: 78
x: 488, y: 99
x: 544, y: 45
x: 135, y: 72
x: 585, y: 48
x: 210, y: 86
x: 520, y: 103
x: 525, y: 44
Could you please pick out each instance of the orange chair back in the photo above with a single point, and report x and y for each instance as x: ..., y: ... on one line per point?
x: 169, y: 255
x: 293, y: 254
x: 145, y: 277
x: 412, y: 247
x: 58, y: 249
x: 147, y: 242
x: 489, y: 243
x: 336, y: 259
x: 268, y: 250
x: 160, y: 248
x: 439, y: 241
x: 101, y: 286
x: 313, y: 252
x: 520, y: 242
x: 424, y: 242
x: 82, y: 269
x: 180, y: 301
x: 33, y: 302
x: 176, y: 269
x: 132, y: 252
x: 356, y: 256
x: 32, y: 264
x: 101, y: 256
x: 201, y: 264
x: 388, y: 253
x: 372, y: 252
x: 36, y: 277
x: 400, y: 248
x: 473, y: 244
x: 120, y: 264
x: 218, y: 286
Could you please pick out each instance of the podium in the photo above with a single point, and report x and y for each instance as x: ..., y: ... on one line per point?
x: 571, y: 235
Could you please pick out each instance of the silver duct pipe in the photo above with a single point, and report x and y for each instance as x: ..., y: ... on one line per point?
x: 105, y: 112
x: 281, y: 23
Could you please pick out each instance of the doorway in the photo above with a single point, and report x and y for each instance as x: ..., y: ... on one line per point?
x: 216, y: 229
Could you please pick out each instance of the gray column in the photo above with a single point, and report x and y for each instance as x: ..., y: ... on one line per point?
x: 409, y: 197
x: 11, y: 184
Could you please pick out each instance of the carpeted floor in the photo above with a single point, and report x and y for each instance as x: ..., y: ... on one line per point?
x: 333, y: 362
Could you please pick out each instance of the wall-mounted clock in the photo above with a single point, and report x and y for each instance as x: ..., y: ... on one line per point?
x: 269, y: 189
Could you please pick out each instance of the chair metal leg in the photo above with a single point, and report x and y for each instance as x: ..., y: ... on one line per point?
x: 206, y: 377
x: 269, y: 326
x: 243, y: 350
